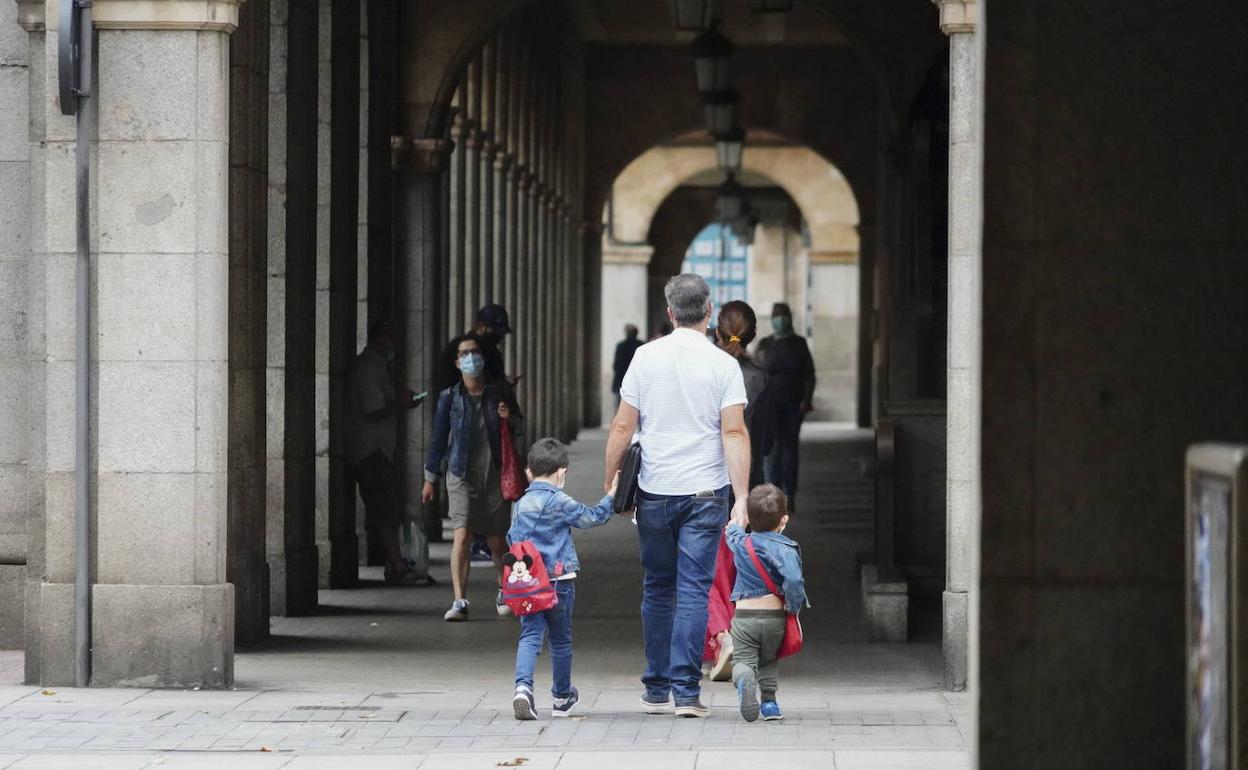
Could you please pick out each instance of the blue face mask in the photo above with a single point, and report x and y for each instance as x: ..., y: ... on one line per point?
x: 388, y: 356
x: 782, y: 324
x: 472, y: 364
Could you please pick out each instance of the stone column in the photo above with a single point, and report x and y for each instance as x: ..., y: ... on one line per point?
x: 49, y: 608
x: 472, y: 199
x: 293, y: 561
x: 163, y: 613
x: 324, y: 255
x: 489, y: 148
x: 593, y: 320
x: 511, y: 257
x: 422, y: 290
x: 454, y: 310
x: 16, y: 282
x: 248, y: 274
x: 625, y: 270
x: 345, y: 237
x: 958, y: 20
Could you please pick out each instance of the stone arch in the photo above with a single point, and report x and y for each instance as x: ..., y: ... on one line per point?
x: 819, y: 189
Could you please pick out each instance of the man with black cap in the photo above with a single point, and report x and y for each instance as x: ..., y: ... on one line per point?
x: 791, y: 389
x: 493, y: 325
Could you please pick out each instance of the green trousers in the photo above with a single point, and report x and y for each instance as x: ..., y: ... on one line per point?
x: 756, y: 637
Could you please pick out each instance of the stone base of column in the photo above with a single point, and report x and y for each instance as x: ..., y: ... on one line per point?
x: 49, y: 634
x: 293, y: 579
x: 162, y: 635
x: 954, y: 611
x: 12, y: 597
x: 886, y: 607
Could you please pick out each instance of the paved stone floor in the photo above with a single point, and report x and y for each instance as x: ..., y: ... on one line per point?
x: 378, y: 680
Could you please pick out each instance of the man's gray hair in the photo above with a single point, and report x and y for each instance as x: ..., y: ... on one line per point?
x: 687, y: 295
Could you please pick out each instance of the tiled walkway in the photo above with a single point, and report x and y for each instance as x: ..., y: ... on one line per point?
x: 379, y: 681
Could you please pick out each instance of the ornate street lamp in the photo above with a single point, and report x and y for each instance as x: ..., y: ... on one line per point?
x: 729, y: 147
x: 712, y: 53
x: 743, y: 228
x: 693, y: 15
x: 721, y: 111
x: 729, y: 200
x: 771, y: 6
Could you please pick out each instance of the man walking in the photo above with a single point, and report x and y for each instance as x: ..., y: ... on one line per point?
x: 624, y: 353
x: 786, y: 357
x: 686, y: 400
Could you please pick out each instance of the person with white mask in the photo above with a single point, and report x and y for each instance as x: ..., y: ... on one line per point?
x: 466, y: 447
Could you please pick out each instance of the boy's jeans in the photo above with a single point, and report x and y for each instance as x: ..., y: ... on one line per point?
x: 679, y: 537
x: 756, y: 638
x: 555, y: 624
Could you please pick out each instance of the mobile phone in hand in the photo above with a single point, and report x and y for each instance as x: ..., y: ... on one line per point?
x: 418, y: 397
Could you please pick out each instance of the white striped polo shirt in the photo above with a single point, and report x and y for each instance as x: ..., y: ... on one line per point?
x: 679, y: 384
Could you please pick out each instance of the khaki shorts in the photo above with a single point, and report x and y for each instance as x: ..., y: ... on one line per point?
x: 480, y: 509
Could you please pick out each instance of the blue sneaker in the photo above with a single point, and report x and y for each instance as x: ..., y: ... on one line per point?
x: 771, y: 711
x: 747, y: 696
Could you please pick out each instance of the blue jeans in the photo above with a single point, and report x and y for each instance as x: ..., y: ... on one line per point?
x: 554, y: 624
x: 679, y: 541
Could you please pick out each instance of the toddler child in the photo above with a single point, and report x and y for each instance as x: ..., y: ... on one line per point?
x: 545, y: 516
x: 759, y: 621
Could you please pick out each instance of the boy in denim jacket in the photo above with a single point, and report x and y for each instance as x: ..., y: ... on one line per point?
x: 759, y: 621
x: 546, y: 516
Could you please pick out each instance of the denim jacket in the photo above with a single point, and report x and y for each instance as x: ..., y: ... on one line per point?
x: 780, y: 555
x: 546, y: 516
x: 453, y: 420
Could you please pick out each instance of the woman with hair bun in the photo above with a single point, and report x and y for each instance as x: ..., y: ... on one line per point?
x: 735, y: 330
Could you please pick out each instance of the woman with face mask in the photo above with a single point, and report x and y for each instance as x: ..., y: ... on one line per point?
x: 466, y: 448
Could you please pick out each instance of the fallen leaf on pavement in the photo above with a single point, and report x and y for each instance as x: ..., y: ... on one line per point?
x: 517, y: 762
x: 267, y: 748
x: 48, y: 692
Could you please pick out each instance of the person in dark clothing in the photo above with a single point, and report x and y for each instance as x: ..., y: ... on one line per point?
x: 786, y: 357
x: 623, y: 357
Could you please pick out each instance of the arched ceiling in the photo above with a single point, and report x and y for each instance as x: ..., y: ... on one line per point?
x: 818, y: 188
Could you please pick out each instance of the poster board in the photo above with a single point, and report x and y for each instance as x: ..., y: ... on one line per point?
x: 1217, y: 607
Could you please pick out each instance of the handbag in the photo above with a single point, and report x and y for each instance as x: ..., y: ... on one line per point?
x: 792, y: 642
x: 527, y: 588
x: 512, y: 480
x: 626, y: 491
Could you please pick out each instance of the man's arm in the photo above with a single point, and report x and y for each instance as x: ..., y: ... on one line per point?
x: 736, y: 440
x: 618, y: 438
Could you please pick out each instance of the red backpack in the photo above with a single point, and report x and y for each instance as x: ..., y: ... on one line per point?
x: 526, y: 585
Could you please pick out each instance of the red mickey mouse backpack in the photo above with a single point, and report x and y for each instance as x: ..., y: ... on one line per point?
x: 526, y: 585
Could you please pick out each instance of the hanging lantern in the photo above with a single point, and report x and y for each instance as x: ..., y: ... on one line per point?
x: 721, y: 111
x: 712, y: 54
x: 729, y: 200
x: 729, y: 147
x: 693, y: 15
x: 771, y: 6
x: 743, y: 227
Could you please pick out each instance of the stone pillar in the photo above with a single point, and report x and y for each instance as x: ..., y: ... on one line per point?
x: 163, y: 613
x: 472, y: 199
x: 626, y: 270
x: 511, y: 257
x: 49, y: 608
x: 324, y: 255
x: 16, y: 282
x: 246, y: 567
x: 422, y: 290
x: 592, y: 319
x: 957, y: 20
x: 454, y: 310
x: 489, y: 148
x: 345, y: 236
x: 293, y: 561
